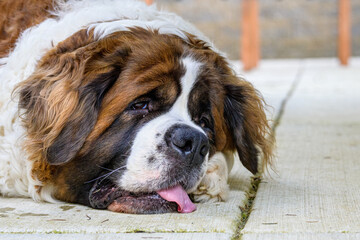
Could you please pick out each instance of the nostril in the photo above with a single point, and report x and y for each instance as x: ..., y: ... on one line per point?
x: 183, y: 145
x: 204, y: 150
x: 187, y: 147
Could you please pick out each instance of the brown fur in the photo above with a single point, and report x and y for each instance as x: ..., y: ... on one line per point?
x: 16, y: 16
x: 256, y: 127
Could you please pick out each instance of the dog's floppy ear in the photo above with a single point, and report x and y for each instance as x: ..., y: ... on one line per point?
x: 80, y: 123
x: 62, y: 98
x: 247, y: 124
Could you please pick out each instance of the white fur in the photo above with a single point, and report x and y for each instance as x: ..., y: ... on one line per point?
x: 214, y: 187
x: 105, y: 17
x: 152, y: 135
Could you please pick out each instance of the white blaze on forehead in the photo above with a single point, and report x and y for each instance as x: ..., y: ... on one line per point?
x: 140, y: 174
x: 180, y: 107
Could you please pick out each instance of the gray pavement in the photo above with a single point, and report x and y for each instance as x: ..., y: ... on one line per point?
x: 317, y: 190
x: 209, y: 221
x: 314, y: 193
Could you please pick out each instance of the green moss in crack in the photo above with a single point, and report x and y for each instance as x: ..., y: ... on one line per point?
x: 246, y: 209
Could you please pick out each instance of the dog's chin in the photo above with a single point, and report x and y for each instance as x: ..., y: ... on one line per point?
x: 106, y: 195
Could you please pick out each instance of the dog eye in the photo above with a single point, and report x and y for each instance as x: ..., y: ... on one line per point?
x: 204, y: 122
x: 143, y: 105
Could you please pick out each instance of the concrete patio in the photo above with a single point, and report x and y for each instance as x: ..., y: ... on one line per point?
x: 314, y: 192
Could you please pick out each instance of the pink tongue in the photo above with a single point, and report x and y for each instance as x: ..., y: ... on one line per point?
x: 177, y: 194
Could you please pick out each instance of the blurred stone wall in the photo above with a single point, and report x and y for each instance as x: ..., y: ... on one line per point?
x: 288, y: 28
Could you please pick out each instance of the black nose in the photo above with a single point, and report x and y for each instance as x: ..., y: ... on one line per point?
x: 192, y: 144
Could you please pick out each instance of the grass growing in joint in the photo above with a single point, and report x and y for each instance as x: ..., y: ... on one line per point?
x: 246, y: 210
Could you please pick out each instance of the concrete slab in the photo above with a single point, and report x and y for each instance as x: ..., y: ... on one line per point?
x: 274, y: 79
x: 213, y: 220
x: 122, y: 236
x: 316, y: 193
x: 302, y: 236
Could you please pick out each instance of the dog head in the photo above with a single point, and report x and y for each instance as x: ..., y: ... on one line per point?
x: 124, y: 119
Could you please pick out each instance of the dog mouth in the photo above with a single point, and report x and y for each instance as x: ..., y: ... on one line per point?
x: 106, y: 195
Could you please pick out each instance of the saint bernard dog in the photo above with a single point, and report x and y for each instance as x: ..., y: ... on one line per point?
x: 116, y: 105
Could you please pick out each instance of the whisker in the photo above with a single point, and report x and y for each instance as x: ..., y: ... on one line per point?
x: 93, y: 180
x: 104, y: 168
x: 103, y: 177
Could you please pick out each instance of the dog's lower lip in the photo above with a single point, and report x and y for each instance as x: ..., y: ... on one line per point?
x: 105, y: 194
x: 142, y: 203
x: 161, y: 201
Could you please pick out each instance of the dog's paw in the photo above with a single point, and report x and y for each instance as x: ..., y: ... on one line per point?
x: 214, y: 186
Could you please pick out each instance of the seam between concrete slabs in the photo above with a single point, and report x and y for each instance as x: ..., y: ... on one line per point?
x: 255, y: 181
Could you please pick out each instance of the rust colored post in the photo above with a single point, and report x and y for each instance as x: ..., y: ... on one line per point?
x: 149, y: 2
x: 344, y: 35
x: 250, y: 40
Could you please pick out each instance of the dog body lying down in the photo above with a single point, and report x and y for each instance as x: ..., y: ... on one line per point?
x: 114, y: 104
